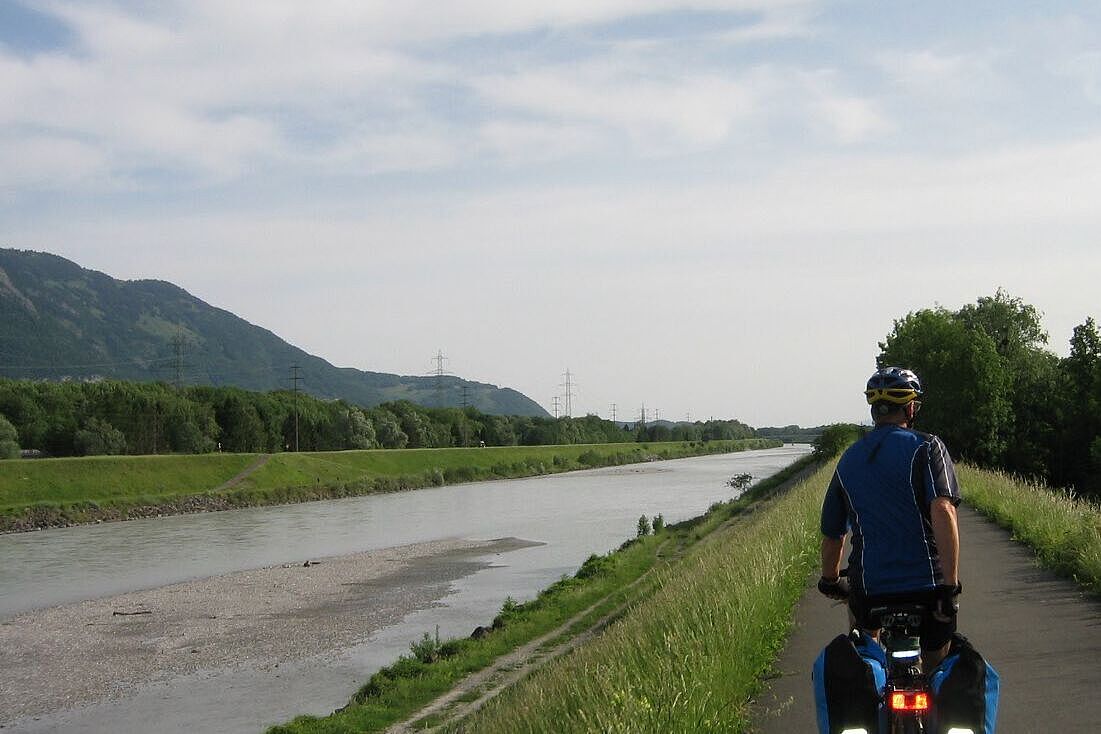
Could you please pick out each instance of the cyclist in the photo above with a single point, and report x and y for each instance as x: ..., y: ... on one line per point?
x: 896, y: 491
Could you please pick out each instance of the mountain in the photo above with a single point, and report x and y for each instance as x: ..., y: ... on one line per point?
x: 61, y: 321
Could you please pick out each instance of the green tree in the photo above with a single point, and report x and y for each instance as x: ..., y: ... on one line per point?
x: 836, y: 438
x: 498, y: 431
x: 967, y: 383
x: 98, y: 437
x: 359, y: 432
x: 1078, y: 458
x: 9, y: 440
x: 388, y: 431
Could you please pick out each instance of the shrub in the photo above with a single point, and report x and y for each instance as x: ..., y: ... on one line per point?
x: 835, y: 439
x: 427, y: 648
x: 594, y: 565
x: 460, y: 474
x: 659, y: 523
x: 589, y: 458
x: 9, y: 440
x: 99, y: 437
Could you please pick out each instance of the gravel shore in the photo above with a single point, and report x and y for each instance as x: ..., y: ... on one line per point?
x: 66, y: 656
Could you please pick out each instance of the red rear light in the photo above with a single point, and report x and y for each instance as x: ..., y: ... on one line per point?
x: 909, y: 701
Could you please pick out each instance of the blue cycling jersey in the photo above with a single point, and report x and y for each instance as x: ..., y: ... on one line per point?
x: 882, y: 490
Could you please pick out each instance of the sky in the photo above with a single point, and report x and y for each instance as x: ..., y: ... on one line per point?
x: 708, y: 208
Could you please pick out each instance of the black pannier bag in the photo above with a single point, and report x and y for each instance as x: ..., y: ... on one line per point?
x: 848, y: 676
x: 965, y: 691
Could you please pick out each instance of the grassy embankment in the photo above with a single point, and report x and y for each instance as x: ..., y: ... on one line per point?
x: 696, y: 634
x: 50, y: 492
x: 1064, y: 531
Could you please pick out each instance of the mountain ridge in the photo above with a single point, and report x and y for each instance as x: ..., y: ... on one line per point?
x: 59, y: 320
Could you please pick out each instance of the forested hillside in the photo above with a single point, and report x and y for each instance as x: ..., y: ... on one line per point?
x: 61, y: 321
x: 998, y: 396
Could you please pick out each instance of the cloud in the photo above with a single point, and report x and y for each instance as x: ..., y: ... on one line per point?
x: 41, y: 162
x: 652, y: 112
x: 211, y: 90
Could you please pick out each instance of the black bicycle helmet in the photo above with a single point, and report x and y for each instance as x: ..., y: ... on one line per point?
x: 893, y: 385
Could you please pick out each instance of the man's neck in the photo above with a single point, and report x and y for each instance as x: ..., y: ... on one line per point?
x: 896, y: 424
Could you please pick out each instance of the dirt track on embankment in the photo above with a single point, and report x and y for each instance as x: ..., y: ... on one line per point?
x: 1041, y: 633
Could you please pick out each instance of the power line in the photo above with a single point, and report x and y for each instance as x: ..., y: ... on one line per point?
x: 295, y: 379
x: 567, y: 387
x: 438, y: 372
x: 178, y: 349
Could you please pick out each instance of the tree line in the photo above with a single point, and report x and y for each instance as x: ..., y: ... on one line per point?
x: 121, y: 417
x: 998, y: 396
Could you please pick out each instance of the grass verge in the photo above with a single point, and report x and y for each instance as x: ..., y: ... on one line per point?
x: 56, y: 492
x: 604, y: 581
x: 1065, y: 531
x: 688, y: 657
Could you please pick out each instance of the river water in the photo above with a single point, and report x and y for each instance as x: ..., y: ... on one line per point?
x: 569, y: 515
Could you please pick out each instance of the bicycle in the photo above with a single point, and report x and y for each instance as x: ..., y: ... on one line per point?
x: 907, y: 696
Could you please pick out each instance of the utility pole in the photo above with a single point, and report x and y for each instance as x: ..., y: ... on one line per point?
x: 556, y: 400
x: 295, y: 379
x: 466, y: 395
x: 613, y: 412
x: 439, y: 372
x: 688, y: 417
x: 642, y: 415
x: 567, y: 386
x: 657, y: 415
x: 177, y: 349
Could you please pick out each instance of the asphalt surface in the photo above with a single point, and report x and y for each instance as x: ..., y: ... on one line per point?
x: 1040, y: 633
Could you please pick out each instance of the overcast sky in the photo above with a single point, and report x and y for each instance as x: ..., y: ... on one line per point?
x: 713, y: 208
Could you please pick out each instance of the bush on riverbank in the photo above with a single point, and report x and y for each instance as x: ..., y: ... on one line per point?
x: 35, y: 494
x: 1064, y: 530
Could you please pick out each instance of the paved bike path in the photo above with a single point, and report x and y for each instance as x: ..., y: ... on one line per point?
x: 1039, y: 631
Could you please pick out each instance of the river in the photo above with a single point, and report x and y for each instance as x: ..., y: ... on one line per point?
x: 566, y: 517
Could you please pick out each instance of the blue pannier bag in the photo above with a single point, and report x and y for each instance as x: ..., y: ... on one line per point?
x: 965, y: 691
x: 848, y: 679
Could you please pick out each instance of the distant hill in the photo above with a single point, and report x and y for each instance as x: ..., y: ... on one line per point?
x: 61, y: 321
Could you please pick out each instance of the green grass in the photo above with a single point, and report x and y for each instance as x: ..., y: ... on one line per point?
x: 689, y: 656
x: 112, y: 478
x: 35, y: 493
x: 1065, y: 531
x: 603, y: 583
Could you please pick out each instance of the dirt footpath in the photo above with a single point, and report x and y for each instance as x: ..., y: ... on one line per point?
x: 1039, y: 631
x: 76, y: 654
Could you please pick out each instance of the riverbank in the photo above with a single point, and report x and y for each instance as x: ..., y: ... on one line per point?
x: 603, y: 590
x: 37, y: 494
x: 76, y: 654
